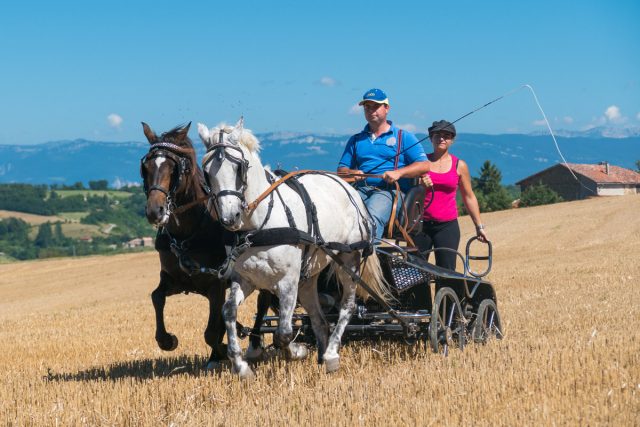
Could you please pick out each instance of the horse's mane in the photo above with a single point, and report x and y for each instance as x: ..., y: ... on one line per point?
x: 171, y: 136
x: 247, y: 138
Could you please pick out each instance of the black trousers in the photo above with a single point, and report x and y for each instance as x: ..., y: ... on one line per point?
x: 440, y: 235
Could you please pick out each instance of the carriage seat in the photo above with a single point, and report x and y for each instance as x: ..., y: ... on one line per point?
x: 414, y: 206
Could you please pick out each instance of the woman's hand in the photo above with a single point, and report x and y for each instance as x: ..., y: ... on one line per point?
x: 481, y: 233
x: 426, y: 181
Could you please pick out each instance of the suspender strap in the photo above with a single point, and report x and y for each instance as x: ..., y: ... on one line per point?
x: 395, y: 199
x: 395, y: 163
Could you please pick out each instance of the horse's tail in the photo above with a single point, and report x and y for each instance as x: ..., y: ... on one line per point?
x: 371, y: 274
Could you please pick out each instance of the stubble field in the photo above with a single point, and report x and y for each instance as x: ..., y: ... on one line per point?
x: 78, y: 343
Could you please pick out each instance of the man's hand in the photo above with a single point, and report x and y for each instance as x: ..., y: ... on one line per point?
x: 351, y: 175
x: 391, y: 176
x: 426, y: 181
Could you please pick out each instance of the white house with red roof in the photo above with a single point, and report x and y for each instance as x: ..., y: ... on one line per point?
x: 601, y: 179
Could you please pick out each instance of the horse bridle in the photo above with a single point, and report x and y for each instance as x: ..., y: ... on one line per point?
x: 176, y: 154
x: 219, y: 152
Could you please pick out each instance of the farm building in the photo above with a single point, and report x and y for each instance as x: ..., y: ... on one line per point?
x: 593, y: 180
x: 139, y: 242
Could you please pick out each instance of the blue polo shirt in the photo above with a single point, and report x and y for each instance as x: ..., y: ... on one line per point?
x: 376, y: 156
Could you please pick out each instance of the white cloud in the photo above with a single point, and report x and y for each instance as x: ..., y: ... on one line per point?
x: 313, y: 150
x: 410, y: 127
x: 355, y: 109
x: 115, y: 120
x: 567, y: 120
x: 328, y: 81
x: 613, y: 114
x: 317, y: 150
x: 638, y: 116
x: 540, y: 122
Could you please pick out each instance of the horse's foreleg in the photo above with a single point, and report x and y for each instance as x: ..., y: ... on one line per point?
x: 347, y: 307
x: 165, y: 340
x: 237, y: 294
x: 308, y: 295
x: 256, y: 346
x: 287, y: 290
x: 215, y: 326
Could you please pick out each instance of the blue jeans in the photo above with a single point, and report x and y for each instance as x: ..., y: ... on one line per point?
x: 379, y: 203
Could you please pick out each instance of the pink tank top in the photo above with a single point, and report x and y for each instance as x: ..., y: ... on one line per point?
x: 445, y: 186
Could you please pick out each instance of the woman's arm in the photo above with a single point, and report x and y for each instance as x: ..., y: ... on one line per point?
x: 470, y: 201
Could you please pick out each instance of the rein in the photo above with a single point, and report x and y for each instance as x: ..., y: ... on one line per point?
x: 348, y: 178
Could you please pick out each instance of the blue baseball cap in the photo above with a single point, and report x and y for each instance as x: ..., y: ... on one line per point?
x: 375, y: 95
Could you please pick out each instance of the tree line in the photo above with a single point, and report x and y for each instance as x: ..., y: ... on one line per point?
x: 128, y: 213
x: 125, y: 213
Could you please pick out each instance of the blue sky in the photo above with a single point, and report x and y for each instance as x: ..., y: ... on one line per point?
x: 79, y: 69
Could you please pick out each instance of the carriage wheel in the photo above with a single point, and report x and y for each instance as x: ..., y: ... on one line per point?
x: 487, y: 324
x: 447, y: 326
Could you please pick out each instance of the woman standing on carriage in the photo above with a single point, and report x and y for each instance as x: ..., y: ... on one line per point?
x: 440, y: 228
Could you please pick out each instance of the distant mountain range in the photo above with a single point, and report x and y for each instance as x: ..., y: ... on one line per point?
x: 517, y: 156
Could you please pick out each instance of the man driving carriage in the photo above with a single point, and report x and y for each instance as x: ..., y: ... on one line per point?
x: 384, y: 150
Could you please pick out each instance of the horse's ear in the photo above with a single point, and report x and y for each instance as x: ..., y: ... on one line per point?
x: 240, y: 124
x: 203, y: 131
x: 183, y: 132
x: 150, y: 134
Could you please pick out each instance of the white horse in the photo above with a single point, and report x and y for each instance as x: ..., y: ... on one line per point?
x: 236, y: 176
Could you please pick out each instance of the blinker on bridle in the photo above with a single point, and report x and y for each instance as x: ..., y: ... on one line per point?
x: 174, y: 153
x: 219, y: 152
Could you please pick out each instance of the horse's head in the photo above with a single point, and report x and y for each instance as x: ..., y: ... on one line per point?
x: 165, y: 171
x: 226, y: 168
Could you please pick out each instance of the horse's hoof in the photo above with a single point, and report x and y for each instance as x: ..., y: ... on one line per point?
x: 254, y: 354
x: 297, y: 352
x: 245, y: 373
x: 168, y: 343
x: 331, y: 365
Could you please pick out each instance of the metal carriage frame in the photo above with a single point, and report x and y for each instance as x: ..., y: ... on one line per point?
x: 441, y: 307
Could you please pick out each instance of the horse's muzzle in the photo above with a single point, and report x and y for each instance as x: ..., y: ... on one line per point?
x: 157, y: 215
x: 231, y: 222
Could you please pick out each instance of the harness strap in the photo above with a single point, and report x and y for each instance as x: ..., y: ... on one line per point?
x: 357, y: 279
x: 251, y: 206
x: 279, y: 236
x: 191, y: 204
x: 287, y: 211
x: 392, y: 218
x: 405, y: 234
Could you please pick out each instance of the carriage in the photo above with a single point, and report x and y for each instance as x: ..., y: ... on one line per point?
x: 438, y: 306
x: 411, y: 299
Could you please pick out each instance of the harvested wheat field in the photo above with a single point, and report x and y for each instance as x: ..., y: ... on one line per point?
x: 78, y: 343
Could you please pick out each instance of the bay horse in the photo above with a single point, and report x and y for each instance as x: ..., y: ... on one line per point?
x: 189, y: 239
x: 286, y: 264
